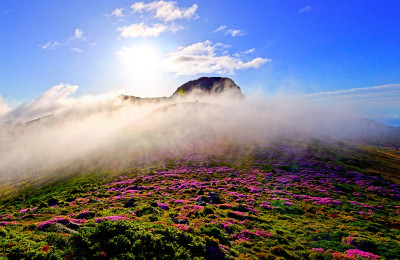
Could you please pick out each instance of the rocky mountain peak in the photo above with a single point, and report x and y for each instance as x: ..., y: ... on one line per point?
x: 209, y: 85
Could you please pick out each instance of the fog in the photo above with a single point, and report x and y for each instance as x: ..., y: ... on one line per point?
x: 105, y: 130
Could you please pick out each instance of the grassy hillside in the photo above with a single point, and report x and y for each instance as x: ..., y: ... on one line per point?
x: 285, y: 200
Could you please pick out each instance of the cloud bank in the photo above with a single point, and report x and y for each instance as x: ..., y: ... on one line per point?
x: 106, y: 131
x: 57, y: 99
x: 4, y: 107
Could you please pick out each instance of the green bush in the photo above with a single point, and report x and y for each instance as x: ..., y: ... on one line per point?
x: 146, y: 210
x: 128, y: 240
x: 3, y: 232
x: 215, y: 231
x: 208, y: 210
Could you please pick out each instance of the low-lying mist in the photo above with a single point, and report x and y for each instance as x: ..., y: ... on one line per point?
x: 116, y: 132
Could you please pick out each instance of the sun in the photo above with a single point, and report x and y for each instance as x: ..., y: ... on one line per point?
x: 141, y: 70
x: 141, y: 60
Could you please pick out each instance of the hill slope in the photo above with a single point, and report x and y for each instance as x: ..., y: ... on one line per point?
x: 219, y: 200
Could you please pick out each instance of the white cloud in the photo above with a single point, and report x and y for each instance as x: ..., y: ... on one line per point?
x: 249, y: 51
x: 78, y: 33
x: 50, y: 45
x: 166, y: 10
x: 221, y: 28
x: 202, y: 57
x: 234, y: 32
x: 118, y: 12
x: 231, y: 32
x: 141, y: 30
x: 76, y: 50
x: 305, y: 9
x: 175, y: 28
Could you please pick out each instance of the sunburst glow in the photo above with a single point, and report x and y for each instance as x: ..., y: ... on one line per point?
x: 143, y: 60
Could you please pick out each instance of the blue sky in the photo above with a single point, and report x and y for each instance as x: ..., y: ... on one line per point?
x: 344, y: 49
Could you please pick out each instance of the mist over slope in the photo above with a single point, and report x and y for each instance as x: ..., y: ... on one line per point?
x: 124, y: 129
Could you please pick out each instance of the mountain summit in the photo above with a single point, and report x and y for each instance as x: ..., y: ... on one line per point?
x: 201, y: 86
x: 209, y: 85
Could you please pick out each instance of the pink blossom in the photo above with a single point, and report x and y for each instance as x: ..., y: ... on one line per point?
x: 356, y: 254
x: 110, y: 218
x: 163, y: 206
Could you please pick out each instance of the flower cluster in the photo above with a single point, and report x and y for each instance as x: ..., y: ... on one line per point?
x: 355, y: 254
x: 110, y: 218
x: 48, y: 223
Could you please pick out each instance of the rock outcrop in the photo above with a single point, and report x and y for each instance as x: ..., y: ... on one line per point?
x: 209, y: 85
